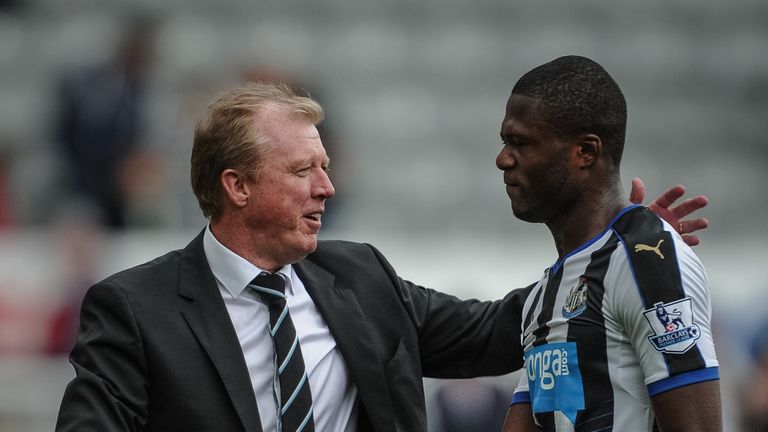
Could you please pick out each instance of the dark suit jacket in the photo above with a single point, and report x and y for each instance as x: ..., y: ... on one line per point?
x: 156, y: 350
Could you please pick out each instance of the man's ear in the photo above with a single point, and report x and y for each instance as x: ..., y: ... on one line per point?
x: 589, y: 148
x: 235, y: 187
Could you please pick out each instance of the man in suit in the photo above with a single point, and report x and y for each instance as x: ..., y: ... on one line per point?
x: 192, y: 341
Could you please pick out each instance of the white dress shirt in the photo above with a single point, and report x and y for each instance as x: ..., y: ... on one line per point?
x: 333, y: 393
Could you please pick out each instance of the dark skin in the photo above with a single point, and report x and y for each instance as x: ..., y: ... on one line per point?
x: 663, y: 205
x: 571, y: 185
x: 564, y: 184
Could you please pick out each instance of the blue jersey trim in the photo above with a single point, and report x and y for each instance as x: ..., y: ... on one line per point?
x: 684, y: 379
x: 523, y: 397
x: 559, y: 262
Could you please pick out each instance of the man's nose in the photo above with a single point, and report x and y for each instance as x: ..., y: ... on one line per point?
x: 324, y: 188
x: 505, y: 160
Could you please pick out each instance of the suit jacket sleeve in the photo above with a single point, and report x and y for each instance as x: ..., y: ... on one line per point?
x: 462, y: 338
x: 111, y: 386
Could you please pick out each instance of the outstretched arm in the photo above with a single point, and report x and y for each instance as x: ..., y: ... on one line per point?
x: 674, y: 215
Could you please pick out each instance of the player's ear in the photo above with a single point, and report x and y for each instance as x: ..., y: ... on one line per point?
x: 235, y: 187
x: 588, y: 150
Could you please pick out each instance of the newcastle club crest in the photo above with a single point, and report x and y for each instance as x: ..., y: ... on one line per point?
x: 576, y: 302
x: 673, y: 327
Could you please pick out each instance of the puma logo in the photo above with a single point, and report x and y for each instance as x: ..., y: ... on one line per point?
x: 654, y: 249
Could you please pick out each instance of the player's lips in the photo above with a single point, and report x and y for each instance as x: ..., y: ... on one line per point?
x: 313, y: 218
x: 513, y: 191
x: 512, y: 186
x: 509, y: 181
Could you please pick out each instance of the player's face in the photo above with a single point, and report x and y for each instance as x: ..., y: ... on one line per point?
x: 289, y: 193
x: 535, y: 163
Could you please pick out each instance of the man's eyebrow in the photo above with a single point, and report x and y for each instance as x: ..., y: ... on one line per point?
x: 299, y: 163
x: 512, y: 134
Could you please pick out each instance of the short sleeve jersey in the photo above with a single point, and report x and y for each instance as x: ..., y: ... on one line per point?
x: 622, y: 318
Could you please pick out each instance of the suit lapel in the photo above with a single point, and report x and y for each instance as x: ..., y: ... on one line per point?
x: 355, y: 338
x: 208, y: 318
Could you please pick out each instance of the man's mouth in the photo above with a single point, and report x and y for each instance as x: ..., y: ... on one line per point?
x: 509, y: 181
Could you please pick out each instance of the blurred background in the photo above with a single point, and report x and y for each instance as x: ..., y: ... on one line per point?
x: 98, y: 101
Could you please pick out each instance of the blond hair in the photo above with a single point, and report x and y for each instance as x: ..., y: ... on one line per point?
x: 229, y: 136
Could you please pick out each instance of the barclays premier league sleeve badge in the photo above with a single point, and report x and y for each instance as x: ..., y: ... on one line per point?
x: 673, y: 327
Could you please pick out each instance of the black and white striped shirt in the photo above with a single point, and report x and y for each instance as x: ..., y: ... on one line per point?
x: 622, y: 318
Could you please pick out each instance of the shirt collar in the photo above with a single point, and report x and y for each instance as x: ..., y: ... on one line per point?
x: 232, y: 271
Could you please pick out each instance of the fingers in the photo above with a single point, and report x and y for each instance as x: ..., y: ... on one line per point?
x: 693, y: 225
x: 690, y: 205
x: 685, y: 228
x: 637, y: 194
x: 691, y: 240
x: 674, y: 215
x: 670, y: 196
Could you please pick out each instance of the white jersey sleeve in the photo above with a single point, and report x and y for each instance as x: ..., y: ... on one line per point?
x: 662, y: 301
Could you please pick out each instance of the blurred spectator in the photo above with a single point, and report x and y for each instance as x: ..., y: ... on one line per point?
x: 100, y: 122
x: 143, y: 181
x: 470, y: 406
x: 78, y: 244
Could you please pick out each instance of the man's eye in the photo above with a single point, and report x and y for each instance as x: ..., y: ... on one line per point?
x: 510, y: 142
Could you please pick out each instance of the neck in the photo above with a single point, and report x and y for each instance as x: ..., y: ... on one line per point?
x: 586, y: 218
x: 241, y: 241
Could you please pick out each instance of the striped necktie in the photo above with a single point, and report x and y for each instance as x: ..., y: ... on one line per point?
x: 295, y: 407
